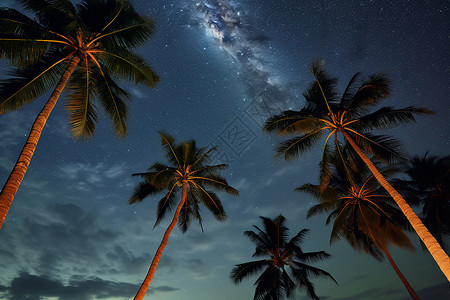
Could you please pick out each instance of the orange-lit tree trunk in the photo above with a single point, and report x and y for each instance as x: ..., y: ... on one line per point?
x: 148, y: 279
x: 399, y: 274
x: 11, y: 186
x: 430, y: 242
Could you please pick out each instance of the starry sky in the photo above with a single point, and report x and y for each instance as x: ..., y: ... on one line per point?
x: 70, y: 234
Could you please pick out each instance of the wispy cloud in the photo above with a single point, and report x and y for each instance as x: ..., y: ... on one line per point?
x: 84, y: 175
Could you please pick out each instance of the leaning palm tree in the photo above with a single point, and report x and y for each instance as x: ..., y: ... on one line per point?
x: 189, y: 173
x: 285, y: 268
x: 84, y: 47
x: 347, y: 121
x: 428, y: 187
x: 363, y: 214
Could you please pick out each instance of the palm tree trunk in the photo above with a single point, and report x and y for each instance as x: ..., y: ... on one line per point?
x: 430, y: 242
x: 400, y: 275
x: 12, y: 184
x: 144, y: 287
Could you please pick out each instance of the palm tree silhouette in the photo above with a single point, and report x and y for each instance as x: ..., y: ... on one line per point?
x: 84, y: 47
x: 187, y: 171
x: 348, y: 121
x: 363, y: 214
x: 429, y: 188
x: 285, y: 268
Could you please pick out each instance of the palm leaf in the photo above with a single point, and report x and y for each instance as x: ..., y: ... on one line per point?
x: 292, y: 122
x: 368, y: 95
x: 129, y: 66
x: 167, y: 203
x: 217, y: 182
x: 142, y: 191
x: 244, y: 270
x: 17, y: 34
x: 82, y: 113
x: 292, y: 148
x: 383, y: 148
x: 113, y: 99
x: 123, y: 27
x: 29, y: 83
x: 387, y: 117
x: 212, y: 202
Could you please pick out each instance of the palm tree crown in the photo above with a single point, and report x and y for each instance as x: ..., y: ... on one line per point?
x: 188, y: 171
x: 324, y: 113
x: 363, y: 214
x: 285, y: 266
x: 85, y: 47
x: 362, y: 211
x: 98, y: 34
x: 187, y: 166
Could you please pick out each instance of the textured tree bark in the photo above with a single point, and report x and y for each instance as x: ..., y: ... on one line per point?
x: 148, y: 279
x: 430, y: 242
x: 400, y: 275
x: 12, y: 184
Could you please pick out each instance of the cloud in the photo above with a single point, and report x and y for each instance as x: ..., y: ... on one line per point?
x: 84, y: 177
x: 30, y: 287
x: 438, y: 291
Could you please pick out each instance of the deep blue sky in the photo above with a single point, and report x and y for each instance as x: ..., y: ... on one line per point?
x: 70, y: 233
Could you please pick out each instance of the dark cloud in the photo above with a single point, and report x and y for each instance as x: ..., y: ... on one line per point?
x: 28, y: 286
x: 374, y: 293
x: 32, y: 287
x: 438, y: 291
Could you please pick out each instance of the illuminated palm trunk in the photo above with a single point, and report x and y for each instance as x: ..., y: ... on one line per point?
x: 399, y: 274
x: 144, y: 287
x: 430, y: 242
x: 11, y: 186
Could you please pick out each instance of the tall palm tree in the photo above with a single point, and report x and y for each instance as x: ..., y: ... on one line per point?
x: 346, y: 120
x: 363, y: 215
x: 86, y: 47
x: 189, y: 173
x: 285, y: 266
x: 428, y: 187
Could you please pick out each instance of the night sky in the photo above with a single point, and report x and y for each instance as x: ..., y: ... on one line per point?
x: 70, y: 234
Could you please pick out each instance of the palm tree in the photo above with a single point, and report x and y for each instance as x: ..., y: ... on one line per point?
x: 363, y: 215
x: 85, y: 47
x: 429, y: 187
x: 348, y: 121
x: 187, y: 171
x: 285, y: 266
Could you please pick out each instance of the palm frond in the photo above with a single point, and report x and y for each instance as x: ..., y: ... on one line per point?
x: 292, y: 122
x: 387, y: 117
x: 297, y: 239
x: 374, y: 89
x: 217, y: 182
x: 244, y: 270
x: 129, y: 66
x: 212, y: 203
x: 349, y: 92
x: 292, y: 148
x: 122, y: 26
x: 17, y: 38
x: 268, y: 285
x: 55, y: 14
x: 383, y: 148
x: 173, y: 156
x: 184, y: 218
x: 167, y: 203
x: 141, y: 191
x: 29, y: 83
x: 113, y: 99
x: 313, y: 271
x: 82, y: 113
